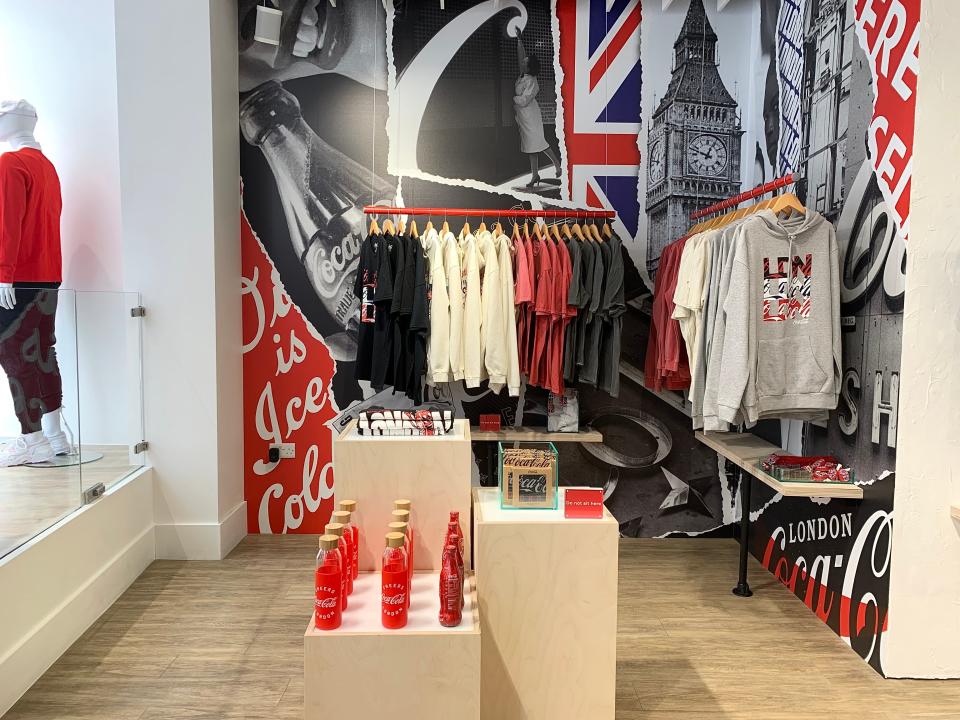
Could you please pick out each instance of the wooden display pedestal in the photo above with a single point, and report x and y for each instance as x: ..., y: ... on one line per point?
x: 432, y: 472
x: 421, y: 672
x: 547, y: 590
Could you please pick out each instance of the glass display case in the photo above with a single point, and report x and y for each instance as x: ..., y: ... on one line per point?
x: 529, y: 475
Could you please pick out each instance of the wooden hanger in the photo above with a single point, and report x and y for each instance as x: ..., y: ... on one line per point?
x: 498, y: 229
x: 537, y: 232
x: 374, y: 228
x: 402, y: 228
x: 555, y: 230
x: 578, y: 231
x: 388, y: 227
x: 594, y: 233
x: 413, y: 229
x: 607, y: 231
x: 466, y: 229
x: 789, y: 203
x: 516, y: 233
x: 445, y: 228
x: 526, y: 230
x: 429, y: 227
x: 482, y: 227
x: 566, y: 231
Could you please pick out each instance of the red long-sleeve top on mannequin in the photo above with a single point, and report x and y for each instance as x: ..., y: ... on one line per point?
x: 30, y: 206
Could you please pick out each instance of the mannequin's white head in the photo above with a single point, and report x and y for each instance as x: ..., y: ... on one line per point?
x: 18, y: 118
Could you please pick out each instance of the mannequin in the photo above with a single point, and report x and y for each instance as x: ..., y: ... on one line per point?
x: 30, y: 274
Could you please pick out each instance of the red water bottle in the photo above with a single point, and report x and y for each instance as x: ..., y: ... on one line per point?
x: 393, y: 583
x: 343, y: 517
x: 401, y: 527
x: 328, y: 606
x: 338, y: 530
x: 451, y: 588
x: 350, y: 506
x: 403, y: 515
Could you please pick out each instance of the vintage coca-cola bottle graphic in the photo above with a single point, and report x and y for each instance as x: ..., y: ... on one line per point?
x: 401, y: 527
x: 323, y: 193
x: 337, y: 530
x: 350, y: 506
x: 451, y: 588
x: 393, y: 583
x: 329, y: 585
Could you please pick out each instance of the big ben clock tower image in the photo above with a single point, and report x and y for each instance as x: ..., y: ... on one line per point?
x: 693, y: 144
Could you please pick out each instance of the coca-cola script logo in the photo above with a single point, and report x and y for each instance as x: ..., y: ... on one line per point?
x: 393, y: 598
x: 286, y: 373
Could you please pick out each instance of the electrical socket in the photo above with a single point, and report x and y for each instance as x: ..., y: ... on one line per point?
x: 287, y: 450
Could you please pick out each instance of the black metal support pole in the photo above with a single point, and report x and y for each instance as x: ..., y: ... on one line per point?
x: 743, y: 588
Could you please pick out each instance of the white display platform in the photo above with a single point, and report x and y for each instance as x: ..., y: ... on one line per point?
x: 547, y: 591
x: 423, y: 671
x: 433, y: 472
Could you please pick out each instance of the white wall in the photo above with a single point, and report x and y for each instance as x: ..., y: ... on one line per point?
x: 178, y: 109
x: 60, y: 55
x: 924, y: 634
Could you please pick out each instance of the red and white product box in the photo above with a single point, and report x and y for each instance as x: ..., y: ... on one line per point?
x: 583, y: 503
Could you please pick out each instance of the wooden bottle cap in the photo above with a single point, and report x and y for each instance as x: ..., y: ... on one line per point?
x: 402, y: 504
x: 401, y: 516
x: 349, y: 505
x: 329, y: 542
x: 341, y: 516
x: 334, y: 529
x: 400, y: 527
x: 395, y: 539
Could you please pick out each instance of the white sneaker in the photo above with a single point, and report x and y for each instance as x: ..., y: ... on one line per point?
x: 60, y: 443
x: 26, y: 449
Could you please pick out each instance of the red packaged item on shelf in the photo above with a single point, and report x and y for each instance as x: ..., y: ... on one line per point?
x: 401, y: 527
x: 329, y: 584
x: 338, y: 530
x: 393, y: 583
x: 454, y: 538
x: 350, y: 534
x: 451, y: 588
x: 350, y: 506
x: 490, y: 423
x: 401, y: 514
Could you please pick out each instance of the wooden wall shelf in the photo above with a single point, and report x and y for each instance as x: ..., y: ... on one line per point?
x: 745, y: 450
x: 526, y: 434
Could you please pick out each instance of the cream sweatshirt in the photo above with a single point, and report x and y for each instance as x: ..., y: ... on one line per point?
x: 472, y: 362
x: 438, y: 352
x: 508, y: 309
x: 493, y: 344
x: 453, y: 271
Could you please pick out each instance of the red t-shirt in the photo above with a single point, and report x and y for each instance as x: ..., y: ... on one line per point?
x: 29, y: 218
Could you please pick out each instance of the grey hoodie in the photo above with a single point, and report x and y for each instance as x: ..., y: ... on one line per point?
x: 781, y: 350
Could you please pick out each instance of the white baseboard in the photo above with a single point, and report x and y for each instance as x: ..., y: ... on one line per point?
x: 55, y: 587
x: 202, y: 541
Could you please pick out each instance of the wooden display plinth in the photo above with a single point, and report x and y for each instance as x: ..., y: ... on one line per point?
x: 547, y: 590
x: 432, y: 472
x: 420, y: 672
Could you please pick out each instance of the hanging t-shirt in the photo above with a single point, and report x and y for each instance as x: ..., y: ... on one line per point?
x: 419, y: 322
x: 398, y: 368
x: 438, y: 343
x: 612, y: 328
x: 592, y: 286
x: 591, y: 364
x: 383, y: 328
x: 364, y: 288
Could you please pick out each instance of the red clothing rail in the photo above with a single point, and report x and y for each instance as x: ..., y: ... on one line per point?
x: 744, y: 196
x: 486, y: 212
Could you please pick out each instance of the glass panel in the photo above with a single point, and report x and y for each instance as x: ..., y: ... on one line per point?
x: 111, y: 407
x: 40, y: 478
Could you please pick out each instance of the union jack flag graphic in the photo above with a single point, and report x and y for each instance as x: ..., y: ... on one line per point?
x: 600, y: 59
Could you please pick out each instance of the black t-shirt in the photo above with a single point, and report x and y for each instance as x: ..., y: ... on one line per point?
x: 365, y: 289
x: 419, y: 323
x: 381, y: 373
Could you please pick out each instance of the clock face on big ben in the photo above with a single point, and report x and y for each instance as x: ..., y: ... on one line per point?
x: 706, y: 155
x: 657, y: 164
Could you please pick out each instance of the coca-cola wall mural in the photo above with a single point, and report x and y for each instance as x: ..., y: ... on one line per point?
x: 410, y: 103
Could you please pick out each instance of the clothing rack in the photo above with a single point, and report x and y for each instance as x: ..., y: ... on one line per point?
x: 744, y: 196
x: 487, y: 212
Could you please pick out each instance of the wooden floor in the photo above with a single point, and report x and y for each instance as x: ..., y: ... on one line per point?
x: 34, y: 498
x: 223, y: 640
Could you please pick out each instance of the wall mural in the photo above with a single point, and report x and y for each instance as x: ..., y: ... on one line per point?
x: 407, y: 103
